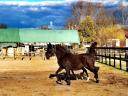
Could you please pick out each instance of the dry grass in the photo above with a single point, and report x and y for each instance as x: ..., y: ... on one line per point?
x: 30, y: 78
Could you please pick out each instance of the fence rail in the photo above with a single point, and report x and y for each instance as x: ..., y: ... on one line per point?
x: 112, y: 56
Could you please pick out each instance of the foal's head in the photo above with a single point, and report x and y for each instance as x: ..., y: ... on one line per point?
x: 50, y: 51
x: 56, y: 49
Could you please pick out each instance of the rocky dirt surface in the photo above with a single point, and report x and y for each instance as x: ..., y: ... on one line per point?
x: 30, y: 78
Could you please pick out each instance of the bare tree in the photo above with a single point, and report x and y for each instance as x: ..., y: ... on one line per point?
x: 124, y: 14
x: 104, y: 18
x: 80, y: 10
x: 77, y: 10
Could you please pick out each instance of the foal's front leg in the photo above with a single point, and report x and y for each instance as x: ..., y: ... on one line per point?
x: 59, y: 70
x: 58, y: 78
x: 56, y: 73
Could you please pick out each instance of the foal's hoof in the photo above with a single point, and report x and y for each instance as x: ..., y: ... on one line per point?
x: 59, y: 82
x: 68, y: 83
x: 51, y: 75
x: 97, y: 69
x: 88, y: 78
x: 97, y: 81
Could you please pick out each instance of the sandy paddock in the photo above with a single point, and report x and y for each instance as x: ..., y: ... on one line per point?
x: 30, y: 78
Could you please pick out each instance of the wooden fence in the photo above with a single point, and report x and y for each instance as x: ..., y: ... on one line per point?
x: 116, y: 57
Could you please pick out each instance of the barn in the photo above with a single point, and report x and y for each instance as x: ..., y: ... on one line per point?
x: 11, y: 37
x: 37, y: 35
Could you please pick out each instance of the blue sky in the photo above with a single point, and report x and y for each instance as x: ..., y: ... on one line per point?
x: 32, y: 0
x: 35, y: 13
x: 32, y: 14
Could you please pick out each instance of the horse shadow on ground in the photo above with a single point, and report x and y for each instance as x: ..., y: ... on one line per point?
x: 62, y: 77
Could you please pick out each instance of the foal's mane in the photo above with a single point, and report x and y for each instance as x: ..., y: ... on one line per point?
x: 62, y: 49
x: 61, y: 52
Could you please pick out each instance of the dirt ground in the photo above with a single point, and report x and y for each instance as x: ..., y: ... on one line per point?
x: 30, y: 78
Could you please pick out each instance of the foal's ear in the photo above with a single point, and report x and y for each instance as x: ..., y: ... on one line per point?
x: 94, y: 44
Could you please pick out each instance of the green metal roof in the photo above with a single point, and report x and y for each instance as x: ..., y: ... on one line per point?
x: 9, y: 35
x: 37, y: 35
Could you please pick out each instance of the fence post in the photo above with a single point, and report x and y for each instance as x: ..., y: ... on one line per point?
x: 109, y: 57
x: 102, y: 55
x: 105, y: 56
x: 114, y: 58
x: 120, y: 63
x: 126, y: 56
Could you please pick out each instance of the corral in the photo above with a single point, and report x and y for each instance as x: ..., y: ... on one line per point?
x: 30, y: 78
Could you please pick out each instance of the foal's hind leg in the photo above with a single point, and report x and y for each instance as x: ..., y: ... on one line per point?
x: 68, y: 76
x: 74, y: 76
x: 84, y: 70
x: 96, y: 69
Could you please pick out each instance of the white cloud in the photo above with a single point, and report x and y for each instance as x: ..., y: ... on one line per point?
x: 125, y: 3
x: 102, y: 1
x: 109, y: 2
x: 45, y: 8
x: 71, y: 0
x: 41, y: 3
x: 33, y: 8
x: 59, y: 2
